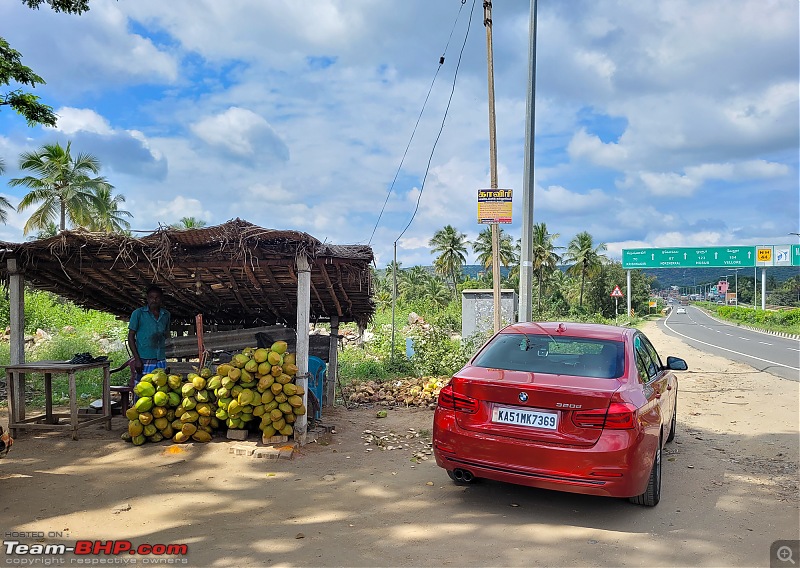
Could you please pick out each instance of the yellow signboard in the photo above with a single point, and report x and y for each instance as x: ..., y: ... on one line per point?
x: 653, y: 304
x: 764, y: 254
x: 494, y: 205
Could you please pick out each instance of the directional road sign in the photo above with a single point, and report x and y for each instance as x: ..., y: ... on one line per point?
x: 688, y: 257
x: 795, y: 255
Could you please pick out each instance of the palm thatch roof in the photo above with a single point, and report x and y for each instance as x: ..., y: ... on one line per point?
x: 235, y: 274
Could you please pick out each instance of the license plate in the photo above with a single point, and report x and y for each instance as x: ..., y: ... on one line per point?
x: 522, y: 417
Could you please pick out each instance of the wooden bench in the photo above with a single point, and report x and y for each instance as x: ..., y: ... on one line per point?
x: 182, y: 352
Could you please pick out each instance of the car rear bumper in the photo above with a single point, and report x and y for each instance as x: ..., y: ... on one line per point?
x: 617, y: 465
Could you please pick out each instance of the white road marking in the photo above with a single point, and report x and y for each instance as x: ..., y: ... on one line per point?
x: 793, y: 349
x: 731, y: 350
x: 745, y: 338
x: 764, y: 343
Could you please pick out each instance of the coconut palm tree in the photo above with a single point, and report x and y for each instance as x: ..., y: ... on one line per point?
x: 483, y: 248
x: 437, y: 291
x: 412, y: 282
x: 587, y: 257
x: 188, y: 223
x: 452, y: 248
x: 5, y: 205
x: 105, y: 215
x: 61, y: 185
x: 544, y: 256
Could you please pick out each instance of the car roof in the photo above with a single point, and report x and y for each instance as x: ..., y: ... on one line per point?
x: 571, y: 329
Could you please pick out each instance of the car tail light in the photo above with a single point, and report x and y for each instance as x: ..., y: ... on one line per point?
x: 455, y: 401
x: 619, y: 416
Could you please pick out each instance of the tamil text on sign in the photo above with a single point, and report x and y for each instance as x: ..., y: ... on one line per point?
x: 494, y: 205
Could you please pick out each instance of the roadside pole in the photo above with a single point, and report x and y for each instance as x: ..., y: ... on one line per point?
x: 528, y: 183
x: 487, y: 22
x: 628, y: 291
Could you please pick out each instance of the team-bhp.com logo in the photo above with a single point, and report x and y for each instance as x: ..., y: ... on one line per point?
x: 163, y: 553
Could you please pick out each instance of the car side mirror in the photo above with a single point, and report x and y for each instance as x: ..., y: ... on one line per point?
x: 676, y: 364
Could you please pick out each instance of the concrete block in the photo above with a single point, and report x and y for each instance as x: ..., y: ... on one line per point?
x: 275, y: 439
x: 266, y: 453
x: 234, y: 434
x: 239, y: 450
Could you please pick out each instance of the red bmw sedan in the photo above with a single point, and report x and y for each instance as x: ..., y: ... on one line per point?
x: 584, y: 408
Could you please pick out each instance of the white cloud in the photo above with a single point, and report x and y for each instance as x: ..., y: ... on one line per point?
x: 561, y: 200
x: 72, y: 120
x: 242, y: 133
x: 589, y: 147
x: 171, y: 211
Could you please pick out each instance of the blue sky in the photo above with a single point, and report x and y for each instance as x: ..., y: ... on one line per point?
x: 657, y: 123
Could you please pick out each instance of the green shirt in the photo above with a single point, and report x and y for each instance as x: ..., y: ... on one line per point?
x: 151, y: 333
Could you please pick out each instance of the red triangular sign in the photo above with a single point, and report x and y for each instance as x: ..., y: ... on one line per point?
x: 617, y: 293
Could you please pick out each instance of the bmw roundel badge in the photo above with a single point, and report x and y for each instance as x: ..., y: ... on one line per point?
x: 523, y: 396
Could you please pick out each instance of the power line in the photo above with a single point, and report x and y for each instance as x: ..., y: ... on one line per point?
x: 441, y: 128
x: 424, y: 104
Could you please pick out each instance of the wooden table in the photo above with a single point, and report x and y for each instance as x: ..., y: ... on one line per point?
x: 15, y: 381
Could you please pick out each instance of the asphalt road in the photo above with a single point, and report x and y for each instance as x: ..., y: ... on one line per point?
x: 779, y: 356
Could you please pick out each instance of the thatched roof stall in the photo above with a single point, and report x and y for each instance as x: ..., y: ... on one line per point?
x: 236, y: 274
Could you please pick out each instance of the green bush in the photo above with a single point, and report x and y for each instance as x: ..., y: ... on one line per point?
x: 784, y: 320
x: 52, y: 313
x: 436, y: 353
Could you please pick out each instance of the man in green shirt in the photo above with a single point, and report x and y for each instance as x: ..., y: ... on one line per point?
x: 147, y: 333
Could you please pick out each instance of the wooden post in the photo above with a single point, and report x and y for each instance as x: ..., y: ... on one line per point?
x: 303, y: 317
x: 333, y: 364
x: 16, y: 300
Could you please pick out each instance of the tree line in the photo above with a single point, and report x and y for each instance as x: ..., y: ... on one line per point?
x: 576, y: 279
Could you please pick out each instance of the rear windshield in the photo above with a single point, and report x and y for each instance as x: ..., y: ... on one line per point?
x: 575, y: 356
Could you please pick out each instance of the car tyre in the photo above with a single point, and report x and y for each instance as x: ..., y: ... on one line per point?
x: 652, y: 495
x: 673, y: 426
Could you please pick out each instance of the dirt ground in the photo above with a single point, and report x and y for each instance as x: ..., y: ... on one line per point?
x: 358, y: 498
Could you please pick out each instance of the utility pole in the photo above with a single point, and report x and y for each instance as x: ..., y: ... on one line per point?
x: 487, y: 22
x: 528, y: 184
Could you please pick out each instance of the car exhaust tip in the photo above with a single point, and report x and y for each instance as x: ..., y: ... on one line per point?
x: 463, y: 476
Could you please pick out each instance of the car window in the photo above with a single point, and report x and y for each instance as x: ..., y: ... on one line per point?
x: 576, y: 356
x: 644, y: 362
x: 652, y: 351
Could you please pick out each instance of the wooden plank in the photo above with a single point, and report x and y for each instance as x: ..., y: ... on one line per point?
x: 332, y: 293
x: 220, y: 340
x: 48, y: 396
x: 319, y: 300
x: 16, y: 301
x: 344, y: 292
x: 73, y: 405
x: 276, y: 285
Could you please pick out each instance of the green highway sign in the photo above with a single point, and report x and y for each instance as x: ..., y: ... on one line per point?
x: 795, y: 255
x: 688, y: 257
